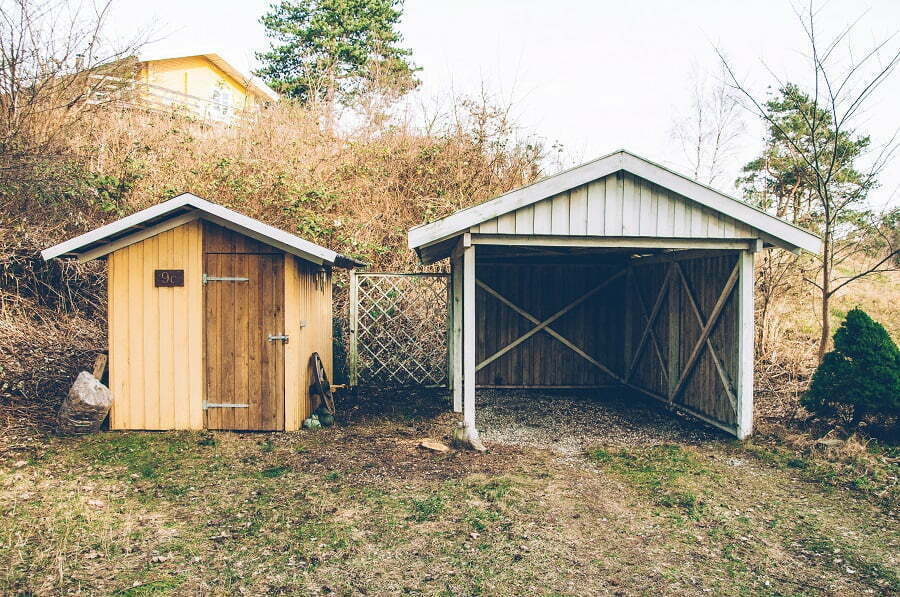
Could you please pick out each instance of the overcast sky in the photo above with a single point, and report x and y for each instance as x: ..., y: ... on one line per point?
x: 593, y: 76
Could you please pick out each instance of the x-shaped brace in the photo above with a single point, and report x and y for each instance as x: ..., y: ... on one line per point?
x: 545, y: 325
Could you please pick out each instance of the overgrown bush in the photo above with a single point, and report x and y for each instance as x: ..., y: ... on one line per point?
x: 860, y: 377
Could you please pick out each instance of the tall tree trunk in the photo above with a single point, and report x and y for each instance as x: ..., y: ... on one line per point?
x: 826, y: 295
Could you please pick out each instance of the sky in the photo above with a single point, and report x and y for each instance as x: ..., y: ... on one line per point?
x: 591, y: 76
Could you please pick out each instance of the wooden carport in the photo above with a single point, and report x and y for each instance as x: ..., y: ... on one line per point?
x: 618, y: 272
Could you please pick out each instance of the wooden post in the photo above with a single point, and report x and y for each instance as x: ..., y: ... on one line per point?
x: 353, y: 355
x: 469, y: 335
x: 745, y: 346
x: 456, y: 332
x: 674, y: 333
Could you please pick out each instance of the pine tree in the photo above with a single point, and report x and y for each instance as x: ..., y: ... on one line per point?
x: 861, y: 376
x: 329, y: 50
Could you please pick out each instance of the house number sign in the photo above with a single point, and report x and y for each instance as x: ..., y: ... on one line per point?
x: 167, y: 278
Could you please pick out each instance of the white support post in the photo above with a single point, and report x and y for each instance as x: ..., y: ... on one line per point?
x: 456, y: 331
x: 469, y: 335
x: 745, y: 346
x: 353, y: 357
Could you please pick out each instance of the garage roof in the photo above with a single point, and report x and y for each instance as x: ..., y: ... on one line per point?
x: 774, y: 230
x: 177, y: 211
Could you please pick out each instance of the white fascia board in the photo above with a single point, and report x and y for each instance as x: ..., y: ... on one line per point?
x: 790, y: 237
x: 98, y: 234
x: 453, y: 224
x: 208, y: 211
x: 755, y: 218
x: 263, y: 232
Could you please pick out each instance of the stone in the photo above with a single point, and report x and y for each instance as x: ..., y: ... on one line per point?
x: 434, y: 446
x: 85, y: 407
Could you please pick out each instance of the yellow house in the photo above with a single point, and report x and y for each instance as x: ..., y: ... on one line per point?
x: 206, y: 85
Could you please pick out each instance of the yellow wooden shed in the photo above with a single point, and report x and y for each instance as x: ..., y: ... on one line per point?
x: 213, y: 317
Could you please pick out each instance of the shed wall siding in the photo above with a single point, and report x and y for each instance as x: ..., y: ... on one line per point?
x: 620, y: 204
x: 156, y: 334
x: 542, y: 290
x: 677, y: 331
x: 308, y: 319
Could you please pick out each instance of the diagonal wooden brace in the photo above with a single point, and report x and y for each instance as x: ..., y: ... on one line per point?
x: 723, y: 375
x: 707, y: 329
x: 544, y: 325
x: 651, y: 319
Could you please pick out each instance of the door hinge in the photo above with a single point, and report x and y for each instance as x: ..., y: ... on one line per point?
x: 223, y: 405
x: 283, y: 338
x: 208, y: 278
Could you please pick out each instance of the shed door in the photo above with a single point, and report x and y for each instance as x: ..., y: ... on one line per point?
x: 244, y: 296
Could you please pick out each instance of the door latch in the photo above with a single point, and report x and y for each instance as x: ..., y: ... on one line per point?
x: 283, y: 338
x: 207, y: 279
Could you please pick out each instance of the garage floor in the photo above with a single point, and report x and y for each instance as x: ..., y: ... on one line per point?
x: 568, y: 422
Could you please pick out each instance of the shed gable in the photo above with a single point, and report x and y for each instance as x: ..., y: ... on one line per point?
x: 618, y: 205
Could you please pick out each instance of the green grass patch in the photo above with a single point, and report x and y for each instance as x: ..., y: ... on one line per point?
x: 663, y: 472
x: 274, y: 471
x: 428, y: 508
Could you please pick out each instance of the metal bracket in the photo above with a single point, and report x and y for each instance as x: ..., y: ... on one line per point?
x: 283, y: 338
x: 208, y: 278
x: 223, y: 405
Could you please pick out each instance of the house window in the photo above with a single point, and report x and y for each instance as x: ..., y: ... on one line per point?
x: 220, y: 104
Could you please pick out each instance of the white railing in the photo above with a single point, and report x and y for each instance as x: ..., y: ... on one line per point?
x: 108, y: 89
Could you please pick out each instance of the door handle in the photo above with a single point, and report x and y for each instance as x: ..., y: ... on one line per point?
x: 283, y: 338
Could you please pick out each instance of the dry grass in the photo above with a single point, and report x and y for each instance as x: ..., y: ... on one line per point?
x: 359, y: 509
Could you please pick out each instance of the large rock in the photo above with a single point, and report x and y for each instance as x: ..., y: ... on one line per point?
x: 85, y: 407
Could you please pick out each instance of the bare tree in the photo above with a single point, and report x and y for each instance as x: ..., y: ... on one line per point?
x: 56, y: 64
x: 709, y: 131
x: 841, y: 85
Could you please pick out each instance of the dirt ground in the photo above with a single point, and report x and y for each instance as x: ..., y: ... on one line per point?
x: 631, y: 500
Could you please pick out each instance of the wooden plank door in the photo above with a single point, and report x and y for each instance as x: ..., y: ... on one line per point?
x: 244, y: 368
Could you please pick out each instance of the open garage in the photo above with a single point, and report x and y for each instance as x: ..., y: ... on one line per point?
x: 616, y: 273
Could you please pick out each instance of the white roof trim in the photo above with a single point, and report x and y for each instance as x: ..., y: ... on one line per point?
x: 250, y: 81
x: 790, y: 236
x: 208, y: 211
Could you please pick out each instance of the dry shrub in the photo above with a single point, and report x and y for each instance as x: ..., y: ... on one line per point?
x: 356, y: 190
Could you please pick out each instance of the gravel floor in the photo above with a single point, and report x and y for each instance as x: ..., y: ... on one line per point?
x: 569, y: 422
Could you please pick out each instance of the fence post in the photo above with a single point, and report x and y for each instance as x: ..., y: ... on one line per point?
x: 353, y: 355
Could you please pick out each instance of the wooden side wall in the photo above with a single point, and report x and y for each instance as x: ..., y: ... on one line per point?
x: 308, y: 322
x: 596, y: 325
x: 677, y: 332
x: 156, y: 334
x: 618, y: 205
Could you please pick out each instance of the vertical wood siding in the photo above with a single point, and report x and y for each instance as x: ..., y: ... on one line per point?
x: 307, y: 301
x: 595, y: 326
x: 677, y: 331
x: 619, y: 205
x: 156, y: 334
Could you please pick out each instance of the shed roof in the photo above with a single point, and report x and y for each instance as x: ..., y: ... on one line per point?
x: 774, y: 230
x: 177, y: 211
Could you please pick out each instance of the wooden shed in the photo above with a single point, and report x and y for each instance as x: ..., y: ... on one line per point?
x: 616, y: 273
x: 213, y: 317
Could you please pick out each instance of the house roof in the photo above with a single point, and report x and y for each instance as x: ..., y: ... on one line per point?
x: 177, y: 211
x: 252, y: 82
x: 776, y: 230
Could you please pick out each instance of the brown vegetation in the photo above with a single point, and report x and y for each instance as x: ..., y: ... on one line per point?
x: 356, y: 191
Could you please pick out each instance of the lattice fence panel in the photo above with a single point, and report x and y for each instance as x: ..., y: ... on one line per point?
x: 398, y: 329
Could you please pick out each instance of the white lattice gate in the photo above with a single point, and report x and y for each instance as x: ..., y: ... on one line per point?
x: 398, y: 329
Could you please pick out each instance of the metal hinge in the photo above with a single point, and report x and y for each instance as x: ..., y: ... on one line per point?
x: 223, y: 405
x: 208, y: 278
x: 283, y: 338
